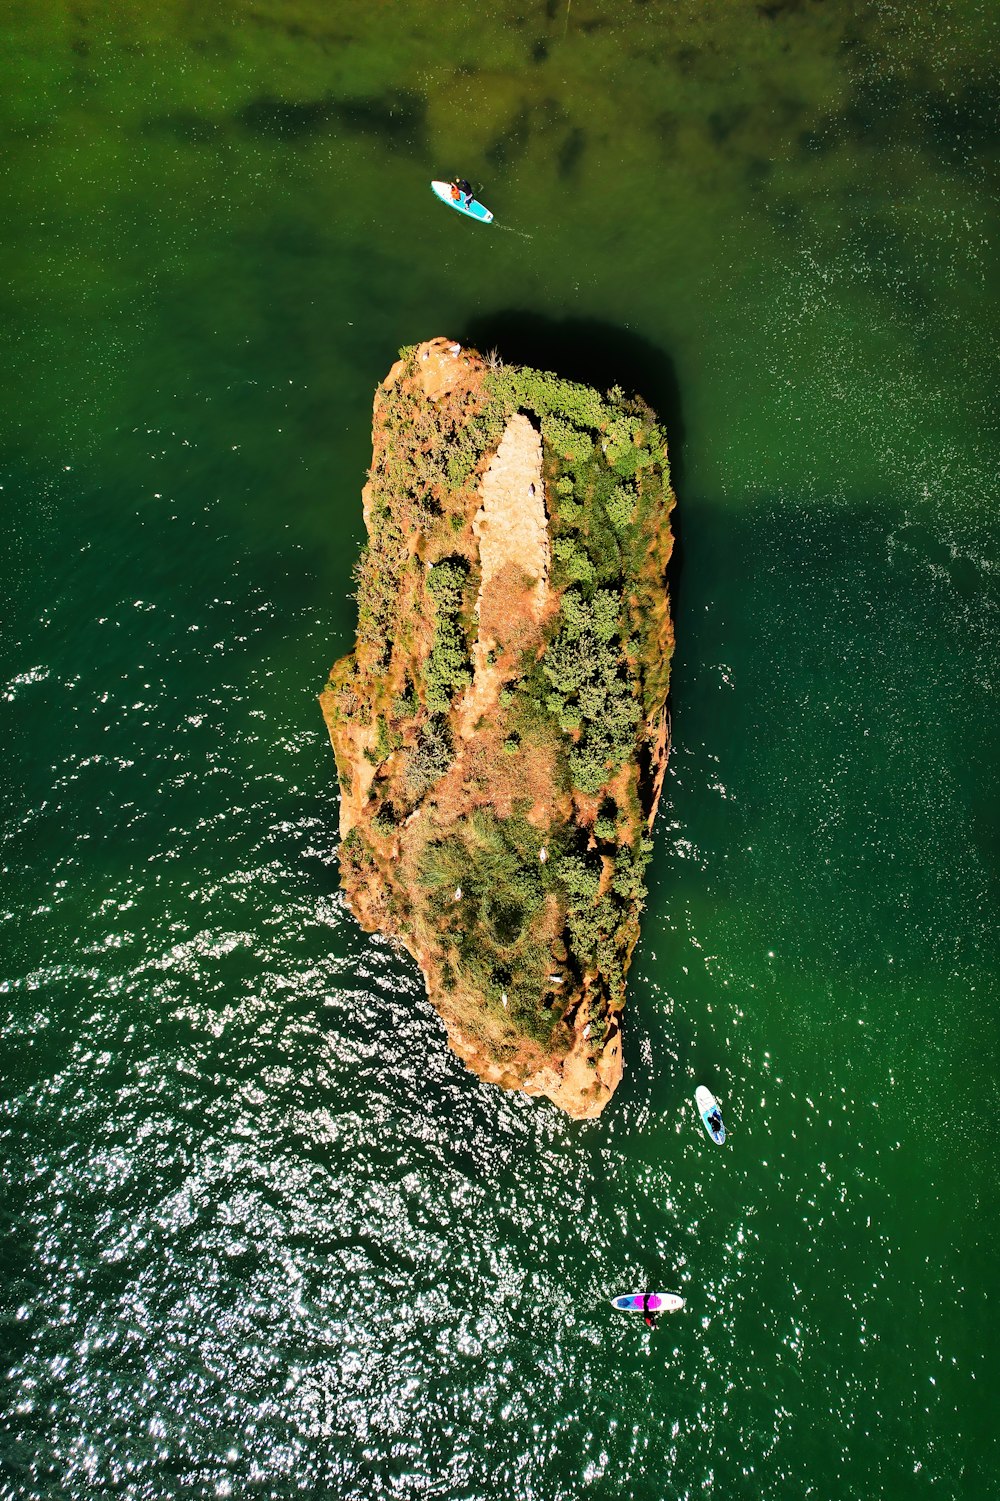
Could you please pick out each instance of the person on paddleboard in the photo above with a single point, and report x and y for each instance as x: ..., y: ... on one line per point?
x: 460, y: 189
x: 650, y: 1321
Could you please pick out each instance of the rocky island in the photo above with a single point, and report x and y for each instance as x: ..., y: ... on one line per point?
x: 500, y: 728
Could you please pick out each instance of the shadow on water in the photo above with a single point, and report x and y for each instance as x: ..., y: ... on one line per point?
x: 602, y: 355
x: 588, y: 350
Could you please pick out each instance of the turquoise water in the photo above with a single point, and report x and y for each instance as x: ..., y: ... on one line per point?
x: 264, y: 1236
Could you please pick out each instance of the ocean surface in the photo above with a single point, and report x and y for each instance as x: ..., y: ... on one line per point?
x: 263, y: 1236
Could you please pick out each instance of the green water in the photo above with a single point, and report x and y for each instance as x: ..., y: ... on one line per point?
x: 264, y: 1236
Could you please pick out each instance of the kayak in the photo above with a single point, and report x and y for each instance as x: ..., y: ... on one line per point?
x: 711, y: 1114
x: 658, y: 1302
x: 473, y: 210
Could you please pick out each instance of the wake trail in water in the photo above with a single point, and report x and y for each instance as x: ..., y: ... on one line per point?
x: 507, y: 228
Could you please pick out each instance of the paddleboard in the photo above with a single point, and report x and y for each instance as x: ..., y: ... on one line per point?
x: 473, y: 210
x: 658, y: 1302
x: 708, y: 1105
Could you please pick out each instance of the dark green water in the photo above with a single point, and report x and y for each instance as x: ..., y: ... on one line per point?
x: 264, y: 1237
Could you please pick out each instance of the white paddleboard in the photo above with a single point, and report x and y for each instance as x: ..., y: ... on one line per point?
x: 704, y: 1099
x: 658, y: 1302
x: 709, y: 1109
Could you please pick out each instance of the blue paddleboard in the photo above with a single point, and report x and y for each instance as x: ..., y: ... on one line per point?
x: 473, y: 210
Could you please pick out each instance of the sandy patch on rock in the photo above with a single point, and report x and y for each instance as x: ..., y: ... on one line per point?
x: 511, y: 525
x: 512, y: 531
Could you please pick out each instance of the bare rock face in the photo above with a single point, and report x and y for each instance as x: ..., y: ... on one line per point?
x: 511, y: 526
x: 500, y: 727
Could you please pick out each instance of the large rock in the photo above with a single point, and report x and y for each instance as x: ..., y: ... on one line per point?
x: 500, y: 728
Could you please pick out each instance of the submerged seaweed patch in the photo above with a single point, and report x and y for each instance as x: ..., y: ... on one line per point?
x: 397, y: 116
x: 512, y: 142
x: 570, y: 152
x: 182, y: 125
x: 285, y: 119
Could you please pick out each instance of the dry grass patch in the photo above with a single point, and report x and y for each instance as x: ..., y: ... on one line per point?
x: 507, y: 609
